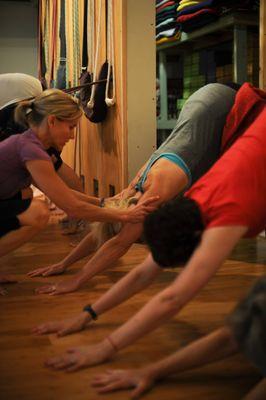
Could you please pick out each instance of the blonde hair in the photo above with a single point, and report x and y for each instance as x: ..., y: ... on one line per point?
x: 50, y: 102
x: 103, y: 231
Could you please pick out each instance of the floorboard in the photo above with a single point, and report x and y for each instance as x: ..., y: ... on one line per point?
x: 22, y: 374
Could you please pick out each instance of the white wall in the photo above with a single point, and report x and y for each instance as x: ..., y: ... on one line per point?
x: 18, y: 37
x: 141, y: 83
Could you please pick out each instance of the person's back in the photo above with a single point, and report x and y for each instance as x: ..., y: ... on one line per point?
x: 198, y: 132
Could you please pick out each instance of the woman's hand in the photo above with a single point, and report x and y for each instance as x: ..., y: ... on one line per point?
x: 140, y: 379
x: 55, y: 269
x: 139, y: 212
x: 62, y: 287
x: 81, y: 357
x: 64, y: 327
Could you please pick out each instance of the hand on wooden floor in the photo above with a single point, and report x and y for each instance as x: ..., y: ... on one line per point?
x: 63, y: 327
x: 59, y: 288
x: 55, y: 269
x: 120, y: 379
x: 81, y: 357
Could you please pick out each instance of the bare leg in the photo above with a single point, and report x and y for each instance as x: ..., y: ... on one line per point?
x: 32, y: 221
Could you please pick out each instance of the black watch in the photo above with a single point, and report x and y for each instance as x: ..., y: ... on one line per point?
x: 91, y: 311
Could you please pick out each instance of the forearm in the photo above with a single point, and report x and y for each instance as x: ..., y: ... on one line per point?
x: 107, y: 254
x: 83, y: 249
x: 213, y: 347
x: 86, y: 198
x: 157, y: 311
x: 135, y: 281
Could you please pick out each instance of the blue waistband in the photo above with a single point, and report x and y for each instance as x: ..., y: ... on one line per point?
x: 169, y: 156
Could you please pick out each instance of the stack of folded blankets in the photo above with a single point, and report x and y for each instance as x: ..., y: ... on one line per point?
x: 193, y: 14
x: 167, y: 29
x: 176, y: 16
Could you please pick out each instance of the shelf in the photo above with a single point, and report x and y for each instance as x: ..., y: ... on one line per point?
x: 233, y: 25
x: 223, y: 23
x: 166, y: 123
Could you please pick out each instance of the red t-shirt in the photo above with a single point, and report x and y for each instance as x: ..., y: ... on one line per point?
x: 233, y: 192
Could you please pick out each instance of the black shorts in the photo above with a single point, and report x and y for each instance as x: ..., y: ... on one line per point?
x: 9, y: 209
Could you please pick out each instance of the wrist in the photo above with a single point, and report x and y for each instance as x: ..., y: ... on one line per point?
x: 90, y: 311
x: 81, y: 278
x: 85, y: 318
x: 108, y: 348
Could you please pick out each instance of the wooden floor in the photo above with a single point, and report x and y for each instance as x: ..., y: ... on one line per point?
x: 22, y: 375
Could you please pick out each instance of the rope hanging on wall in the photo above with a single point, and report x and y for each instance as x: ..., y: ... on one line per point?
x: 110, y: 101
x: 96, y: 107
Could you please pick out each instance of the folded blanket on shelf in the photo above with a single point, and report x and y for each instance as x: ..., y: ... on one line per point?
x: 165, y: 15
x: 198, y: 19
x: 174, y: 38
x: 166, y: 5
x: 167, y: 26
x: 167, y: 34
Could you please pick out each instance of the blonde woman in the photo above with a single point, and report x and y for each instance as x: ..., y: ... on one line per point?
x: 52, y: 117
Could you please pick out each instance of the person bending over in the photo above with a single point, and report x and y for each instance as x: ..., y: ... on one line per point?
x: 52, y: 118
x: 200, y: 229
x: 186, y: 155
x: 244, y: 331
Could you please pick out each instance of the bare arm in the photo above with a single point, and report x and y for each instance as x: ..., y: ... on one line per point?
x: 87, y: 198
x: 87, y: 246
x: 216, y: 245
x: 216, y: 346
x: 105, y: 256
x: 49, y: 182
x: 133, y: 282
x: 213, y: 347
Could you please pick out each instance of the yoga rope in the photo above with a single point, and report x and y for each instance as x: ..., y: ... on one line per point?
x: 69, y: 43
x: 90, y: 103
x: 57, y: 42
x: 90, y: 35
x: 110, y: 101
x: 46, y: 43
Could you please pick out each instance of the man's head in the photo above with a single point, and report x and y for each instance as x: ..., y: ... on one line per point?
x: 248, y: 323
x: 173, y: 231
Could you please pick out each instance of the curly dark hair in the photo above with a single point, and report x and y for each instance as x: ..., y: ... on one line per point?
x: 173, y: 231
x: 248, y: 324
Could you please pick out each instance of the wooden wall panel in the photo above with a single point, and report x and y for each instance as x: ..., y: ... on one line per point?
x: 106, y: 154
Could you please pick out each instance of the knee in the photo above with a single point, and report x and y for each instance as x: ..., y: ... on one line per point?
x: 42, y: 216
